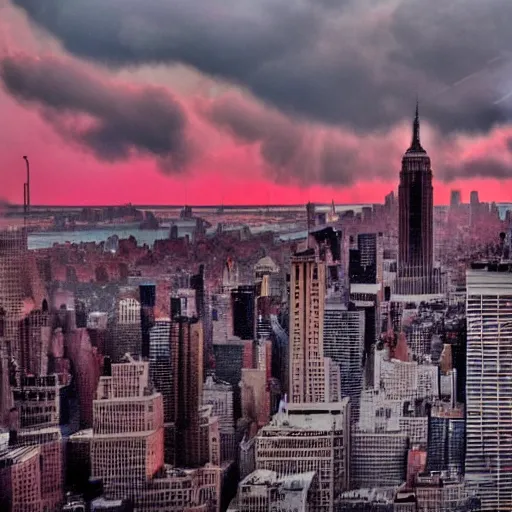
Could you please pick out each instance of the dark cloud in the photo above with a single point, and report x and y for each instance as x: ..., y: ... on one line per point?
x: 346, y: 62
x: 112, y: 120
x: 303, y: 152
x: 484, y: 167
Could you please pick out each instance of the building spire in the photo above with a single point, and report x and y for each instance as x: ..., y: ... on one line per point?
x: 416, y: 144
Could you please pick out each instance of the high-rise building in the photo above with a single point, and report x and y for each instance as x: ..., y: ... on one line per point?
x: 222, y: 318
x: 23, y: 307
x: 312, y: 267
x: 160, y: 372
x: 344, y: 345
x: 416, y: 206
x: 20, y: 479
x: 489, y: 383
x: 267, y: 268
x: 219, y: 395
x: 455, y: 198
x: 49, y: 441
x: 307, y: 296
x: 34, y: 342
x: 243, y: 304
x: 13, y: 281
x: 446, y: 440
x: 377, y: 460
x: 366, y: 261
x: 127, y: 445
x: 230, y: 279
x: 147, y: 294
x: 187, y: 393
x: 127, y: 448
x: 320, y: 433
x: 127, y: 332
x: 416, y: 221
x: 263, y: 317
x: 39, y: 401
x: 202, y: 304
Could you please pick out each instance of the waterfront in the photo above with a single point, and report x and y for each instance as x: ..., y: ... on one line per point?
x: 46, y: 239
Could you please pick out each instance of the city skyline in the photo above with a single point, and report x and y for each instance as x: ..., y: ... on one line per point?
x: 239, y: 280
x: 224, y: 369
x: 350, y: 161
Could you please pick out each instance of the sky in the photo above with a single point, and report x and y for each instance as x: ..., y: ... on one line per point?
x: 251, y: 102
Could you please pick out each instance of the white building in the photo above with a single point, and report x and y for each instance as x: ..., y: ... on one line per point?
x: 310, y: 437
x: 264, y: 490
x: 128, y: 311
x: 219, y: 395
x: 489, y: 383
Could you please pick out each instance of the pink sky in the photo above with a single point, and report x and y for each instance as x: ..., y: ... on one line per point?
x: 227, y: 171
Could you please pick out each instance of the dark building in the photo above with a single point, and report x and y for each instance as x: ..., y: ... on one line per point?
x: 455, y: 198
x: 197, y: 283
x: 416, y: 205
x: 364, y: 261
x: 243, y: 300
x: 354, y: 265
x: 34, y: 342
x: 186, y: 339
x: 263, y: 319
x: 446, y: 441
x: 415, y: 229
x: 229, y: 361
x: 147, y: 314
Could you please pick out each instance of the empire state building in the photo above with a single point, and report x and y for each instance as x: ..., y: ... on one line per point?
x: 416, y: 274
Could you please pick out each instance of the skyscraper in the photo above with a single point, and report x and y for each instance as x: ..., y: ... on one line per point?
x: 187, y: 394
x: 127, y: 444
x: 307, y: 297
x: 489, y: 383
x: 13, y: 282
x: 416, y: 207
x: 310, y: 437
x: 243, y: 301
x: 415, y: 194
x: 455, y: 198
x: 344, y: 344
x: 310, y: 373
x: 147, y: 314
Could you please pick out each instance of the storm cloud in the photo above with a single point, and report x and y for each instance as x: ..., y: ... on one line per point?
x: 326, y: 87
x: 357, y: 64
x: 302, y: 152
x: 114, y: 121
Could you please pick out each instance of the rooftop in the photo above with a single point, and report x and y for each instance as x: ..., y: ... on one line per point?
x: 369, y: 495
x: 315, y: 417
x: 372, y: 289
x: 82, y: 435
x: 260, y: 477
x: 298, y: 481
x: 17, y: 455
x: 104, y: 503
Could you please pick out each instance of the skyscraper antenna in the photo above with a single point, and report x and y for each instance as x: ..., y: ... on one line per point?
x: 26, y: 189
